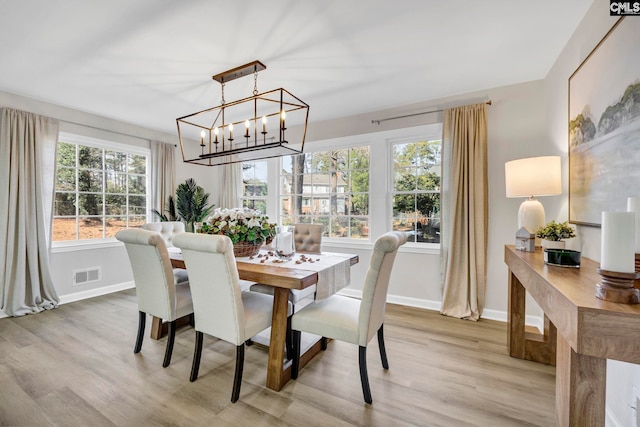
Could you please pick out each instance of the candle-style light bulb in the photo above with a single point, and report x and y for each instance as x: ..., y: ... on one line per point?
x: 202, y: 134
x: 231, y: 131
x: 283, y: 116
x: 264, y: 124
x: 215, y: 132
x: 246, y: 128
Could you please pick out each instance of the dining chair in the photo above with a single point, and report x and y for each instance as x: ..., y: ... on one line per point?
x: 308, y: 240
x: 221, y: 309
x: 157, y: 290
x: 351, y: 320
x: 168, y: 230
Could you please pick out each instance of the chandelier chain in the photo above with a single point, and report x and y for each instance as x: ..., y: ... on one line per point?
x: 222, y: 100
x: 255, y: 82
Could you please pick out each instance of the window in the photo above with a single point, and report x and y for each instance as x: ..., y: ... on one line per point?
x: 254, y: 185
x: 416, y: 189
x: 327, y: 187
x: 101, y: 188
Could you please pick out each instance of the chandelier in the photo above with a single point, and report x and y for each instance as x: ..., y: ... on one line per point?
x: 247, y: 129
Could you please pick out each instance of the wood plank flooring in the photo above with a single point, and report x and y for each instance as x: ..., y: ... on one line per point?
x: 74, y: 366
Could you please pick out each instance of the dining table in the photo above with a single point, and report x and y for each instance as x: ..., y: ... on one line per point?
x: 329, y: 271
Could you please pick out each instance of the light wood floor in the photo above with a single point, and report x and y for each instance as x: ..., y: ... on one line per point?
x: 74, y: 366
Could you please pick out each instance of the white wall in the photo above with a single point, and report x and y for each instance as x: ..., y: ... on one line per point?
x: 621, y: 377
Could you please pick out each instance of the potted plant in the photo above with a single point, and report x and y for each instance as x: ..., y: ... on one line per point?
x: 247, y: 228
x: 189, y: 206
x: 554, y: 233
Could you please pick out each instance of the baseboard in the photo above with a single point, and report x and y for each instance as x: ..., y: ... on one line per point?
x: 501, y: 316
x: 78, y: 296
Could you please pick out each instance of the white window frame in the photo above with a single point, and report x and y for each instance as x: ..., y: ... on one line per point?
x: 263, y: 198
x: 70, y: 245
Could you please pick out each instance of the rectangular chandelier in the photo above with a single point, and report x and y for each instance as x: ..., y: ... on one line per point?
x: 248, y: 129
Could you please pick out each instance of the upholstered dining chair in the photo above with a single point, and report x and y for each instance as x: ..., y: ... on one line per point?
x: 351, y: 320
x: 168, y: 230
x: 221, y: 309
x: 308, y: 239
x: 157, y: 290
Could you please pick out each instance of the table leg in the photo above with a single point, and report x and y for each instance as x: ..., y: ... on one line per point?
x: 580, y: 388
x: 276, y: 374
x: 156, y: 328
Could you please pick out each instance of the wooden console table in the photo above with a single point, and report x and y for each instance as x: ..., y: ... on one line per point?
x: 589, y: 331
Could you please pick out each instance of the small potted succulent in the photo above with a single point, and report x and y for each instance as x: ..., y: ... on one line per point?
x: 554, y: 233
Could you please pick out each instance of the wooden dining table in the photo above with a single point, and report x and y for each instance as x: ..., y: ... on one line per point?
x: 283, y: 277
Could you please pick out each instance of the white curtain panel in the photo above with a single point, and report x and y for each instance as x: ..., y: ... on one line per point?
x: 231, y: 192
x: 27, y: 173
x: 163, y: 174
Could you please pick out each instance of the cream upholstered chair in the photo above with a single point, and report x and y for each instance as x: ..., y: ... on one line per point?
x: 351, y: 320
x: 221, y: 309
x: 157, y: 290
x: 168, y: 230
x: 308, y: 239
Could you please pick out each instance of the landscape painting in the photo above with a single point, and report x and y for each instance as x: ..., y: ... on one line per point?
x: 604, y: 126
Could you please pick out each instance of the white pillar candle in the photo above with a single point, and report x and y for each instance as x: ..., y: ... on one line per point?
x: 618, y: 238
x: 633, y: 205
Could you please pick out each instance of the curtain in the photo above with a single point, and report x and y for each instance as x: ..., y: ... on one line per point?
x: 163, y: 174
x: 27, y: 172
x: 231, y: 192
x: 464, y: 211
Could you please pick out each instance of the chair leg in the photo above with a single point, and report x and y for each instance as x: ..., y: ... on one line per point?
x: 288, y: 340
x: 237, y: 379
x: 142, y: 319
x: 364, y: 377
x: 383, y: 352
x: 171, y: 337
x: 197, y: 352
x: 192, y: 320
x: 295, y: 365
x: 323, y: 343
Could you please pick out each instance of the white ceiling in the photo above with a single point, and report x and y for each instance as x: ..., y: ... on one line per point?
x: 148, y: 62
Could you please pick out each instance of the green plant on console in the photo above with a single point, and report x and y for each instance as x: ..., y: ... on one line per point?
x: 189, y: 206
x: 555, y: 231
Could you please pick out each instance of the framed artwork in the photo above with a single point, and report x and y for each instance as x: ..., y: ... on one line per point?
x: 604, y: 126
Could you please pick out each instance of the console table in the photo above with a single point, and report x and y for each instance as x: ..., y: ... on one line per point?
x: 580, y: 331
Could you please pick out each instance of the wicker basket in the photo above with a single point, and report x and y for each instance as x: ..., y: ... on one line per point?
x: 243, y: 249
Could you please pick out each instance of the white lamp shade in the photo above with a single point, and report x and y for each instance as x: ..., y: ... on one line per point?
x: 533, y: 176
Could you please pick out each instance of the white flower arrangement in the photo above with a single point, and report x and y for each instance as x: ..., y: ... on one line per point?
x: 240, y: 224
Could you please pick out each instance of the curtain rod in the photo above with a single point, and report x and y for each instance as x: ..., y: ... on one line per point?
x: 414, y: 114
x: 107, y: 130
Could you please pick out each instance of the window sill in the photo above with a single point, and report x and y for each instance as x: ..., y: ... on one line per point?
x: 84, y: 245
x: 417, y: 248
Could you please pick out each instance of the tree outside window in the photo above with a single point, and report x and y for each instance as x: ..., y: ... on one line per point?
x: 416, y: 189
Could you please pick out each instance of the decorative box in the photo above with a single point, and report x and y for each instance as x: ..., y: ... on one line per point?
x: 562, y: 257
x: 525, y: 240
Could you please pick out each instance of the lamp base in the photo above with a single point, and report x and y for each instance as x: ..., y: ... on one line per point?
x: 531, y: 215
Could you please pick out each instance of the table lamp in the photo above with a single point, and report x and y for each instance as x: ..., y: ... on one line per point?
x: 531, y: 177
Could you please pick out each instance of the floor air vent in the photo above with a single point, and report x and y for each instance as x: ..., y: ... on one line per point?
x: 88, y: 275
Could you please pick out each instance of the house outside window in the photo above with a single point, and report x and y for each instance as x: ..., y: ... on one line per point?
x: 416, y: 175
x: 255, y: 185
x: 101, y: 188
x: 329, y: 188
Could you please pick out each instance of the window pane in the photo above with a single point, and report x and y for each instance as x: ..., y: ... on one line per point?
x: 404, y: 179
x: 91, y: 227
x: 115, y: 205
x: 115, y: 161
x: 116, y: 182
x: 66, y: 179
x: 64, y: 229
x: 428, y: 180
x: 322, y: 205
x: 403, y: 203
x: 286, y: 205
x: 137, y: 205
x: 65, y: 204
x: 359, y: 228
x: 90, y: 180
x: 286, y: 184
x: 340, y: 227
x: 137, y: 184
x: 90, y: 204
x: 89, y: 157
x: 66, y: 154
x: 359, y: 181
x: 259, y: 204
x: 359, y: 204
x: 137, y: 164
x: 359, y: 158
x: 428, y: 205
x: 339, y: 160
x: 115, y: 224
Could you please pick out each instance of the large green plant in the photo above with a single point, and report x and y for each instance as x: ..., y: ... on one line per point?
x: 190, y: 205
